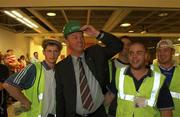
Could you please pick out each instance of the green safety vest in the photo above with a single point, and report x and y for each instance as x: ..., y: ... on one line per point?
x: 174, y: 88
x: 35, y: 93
x: 149, y: 90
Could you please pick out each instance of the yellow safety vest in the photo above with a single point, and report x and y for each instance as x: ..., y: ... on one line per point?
x: 174, y: 88
x: 35, y: 93
x: 149, y: 90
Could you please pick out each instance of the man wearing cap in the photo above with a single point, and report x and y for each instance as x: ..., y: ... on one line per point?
x: 82, y: 76
x: 167, y: 66
x: 34, y: 86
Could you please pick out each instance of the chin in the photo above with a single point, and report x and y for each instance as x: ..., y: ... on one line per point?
x: 135, y: 67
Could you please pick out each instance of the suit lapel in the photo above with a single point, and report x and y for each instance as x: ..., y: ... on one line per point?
x: 91, y: 65
x: 71, y: 81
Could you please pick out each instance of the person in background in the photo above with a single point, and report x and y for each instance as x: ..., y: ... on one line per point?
x: 119, y: 62
x: 35, y: 57
x: 141, y: 91
x: 34, y: 86
x: 82, y: 76
x: 23, y: 60
x: 11, y: 61
x: 4, y: 73
x: 167, y: 66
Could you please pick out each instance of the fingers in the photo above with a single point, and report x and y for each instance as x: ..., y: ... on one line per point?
x: 90, y: 30
x: 26, y: 105
x: 85, y: 27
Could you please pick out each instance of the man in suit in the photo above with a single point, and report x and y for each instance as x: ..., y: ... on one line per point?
x: 68, y: 72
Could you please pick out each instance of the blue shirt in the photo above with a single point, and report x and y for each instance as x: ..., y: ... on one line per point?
x: 168, y: 73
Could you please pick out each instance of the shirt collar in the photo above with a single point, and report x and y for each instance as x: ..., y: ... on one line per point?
x: 167, y: 69
x: 128, y: 72
x: 45, y: 65
x: 75, y: 57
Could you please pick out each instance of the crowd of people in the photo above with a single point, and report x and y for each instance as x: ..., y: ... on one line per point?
x: 90, y: 82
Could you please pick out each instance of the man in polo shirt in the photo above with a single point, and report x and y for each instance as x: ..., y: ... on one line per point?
x: 141, y: 91
x: 34, y: 86
x: 167, y: 66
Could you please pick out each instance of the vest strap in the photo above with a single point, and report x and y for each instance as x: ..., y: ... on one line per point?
x: 175, y: 95
x: 156, y: 84
x: 151, y: 100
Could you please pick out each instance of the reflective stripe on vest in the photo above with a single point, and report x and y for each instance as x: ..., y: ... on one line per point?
x: 40, y: 96
x: 152, y: 67
x: 151, y: 101
x: 175, y: 95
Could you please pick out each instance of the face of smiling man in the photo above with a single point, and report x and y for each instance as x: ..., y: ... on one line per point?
x: 137, y: 56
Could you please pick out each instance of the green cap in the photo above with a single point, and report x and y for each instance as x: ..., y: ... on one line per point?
x: 70, y: 27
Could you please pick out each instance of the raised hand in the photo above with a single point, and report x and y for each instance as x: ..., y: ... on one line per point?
x: 90, y: 30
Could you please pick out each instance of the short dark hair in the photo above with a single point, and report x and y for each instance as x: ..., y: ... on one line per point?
x: 140, y: 43
x: 47, y: 42
x: 35, y: 53
x: 127, y: 37
x: 9, y: 50
x: 22, y: 57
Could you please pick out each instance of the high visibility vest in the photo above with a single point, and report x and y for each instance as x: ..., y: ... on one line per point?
x: 149, y: 90
x: 112, y: 67
x: 35, y: 93
x: 174, y: 88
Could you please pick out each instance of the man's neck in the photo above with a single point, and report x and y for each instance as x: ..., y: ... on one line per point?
x: 167, y: 65
x: 50, y: 65
x: 139, y: 73
x: 77, y: 54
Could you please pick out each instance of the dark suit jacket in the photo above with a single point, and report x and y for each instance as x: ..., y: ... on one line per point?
x: 97, y: 61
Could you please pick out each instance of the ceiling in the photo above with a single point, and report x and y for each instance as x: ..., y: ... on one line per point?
x: 108, y: 19
x: 106, y: 15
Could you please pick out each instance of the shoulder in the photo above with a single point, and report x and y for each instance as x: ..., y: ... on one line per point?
x: 2, y: 66
x: 65, y: 61
x: 93, y: 48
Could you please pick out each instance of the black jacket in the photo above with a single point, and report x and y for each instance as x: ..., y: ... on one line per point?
x: 4, y: 73
x: 97, y: 60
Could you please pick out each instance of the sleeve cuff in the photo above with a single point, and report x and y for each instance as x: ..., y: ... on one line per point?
x: 100, y: 36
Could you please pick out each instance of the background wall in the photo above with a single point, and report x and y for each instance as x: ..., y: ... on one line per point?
x: 9, y: 40
x: 24, y: 45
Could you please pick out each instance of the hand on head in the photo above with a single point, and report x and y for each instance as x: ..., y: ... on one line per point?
x: 90, y: 30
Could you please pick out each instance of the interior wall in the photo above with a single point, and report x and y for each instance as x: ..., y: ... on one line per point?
x: 9, y: 40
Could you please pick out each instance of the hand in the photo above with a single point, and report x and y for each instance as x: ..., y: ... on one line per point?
x: 26, y: 105
x: 90, y: 30
x: 108, y: 98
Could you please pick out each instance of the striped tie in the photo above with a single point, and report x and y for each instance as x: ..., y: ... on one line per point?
x: 84, y: 88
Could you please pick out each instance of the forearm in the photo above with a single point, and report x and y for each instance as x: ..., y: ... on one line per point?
x: 166, y: 113
x: 15, y: 92
x: 113, y: 45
